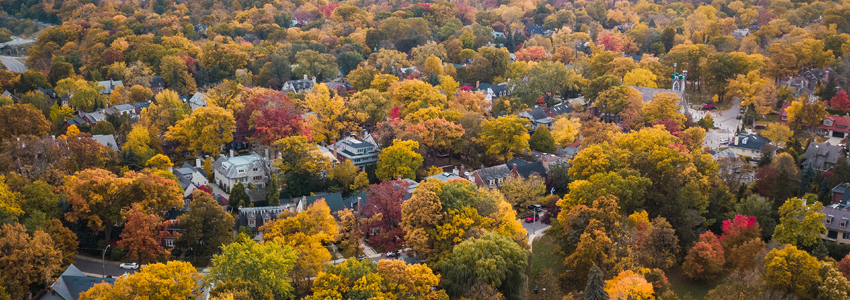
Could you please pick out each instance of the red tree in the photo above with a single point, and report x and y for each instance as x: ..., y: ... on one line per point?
x: 256, y: 104
x: 764, y: 179
x: 274, y: 124
x: 141, y: 237
x: 738, y: 231
x: 386, y: 198
x: 535, y: 53
x: 705, y: 260
x: 840, y: 101
x: 611, y: 43
x: 844, y: 266
x: 671, y: 125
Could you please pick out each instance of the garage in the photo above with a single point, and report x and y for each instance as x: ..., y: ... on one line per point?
x: 837, y: 134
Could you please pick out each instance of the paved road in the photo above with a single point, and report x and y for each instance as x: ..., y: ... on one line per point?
x: 725, y: 123
x: 94, y: 266
x: 14, y: 64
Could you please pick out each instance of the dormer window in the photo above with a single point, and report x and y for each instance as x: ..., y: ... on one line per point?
x: 843, y: 222
x: 265, y: 219
x: 252, y: 222
x: 492, y: 182
x: 829, y: 219
x: 500, y: 180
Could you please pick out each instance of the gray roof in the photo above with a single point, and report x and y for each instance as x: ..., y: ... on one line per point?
x: 444, y: 177
x: 725, y: 154
x: 561, y: 109
x: 834, y: 215
x: 228, y: 165
x: 258, y: 213
x: 157, y: 81
x: 750, y: 141
x: 334, y: 201
x: 649, y: 93
x: 300, y: 84
x: 493, y: 172
x: 538, y: 114
x: 530, y: 169
x: 198, y: 98
x: 819, y: 154
x: 518, y: 161
x: 109, y: 85
x: 107, y: 140
x: 72, y: 283
x: 6, y: 94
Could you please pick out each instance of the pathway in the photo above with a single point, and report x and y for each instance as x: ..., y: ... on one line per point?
x: 14, y: 64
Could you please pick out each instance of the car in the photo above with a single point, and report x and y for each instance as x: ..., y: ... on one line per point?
x: 536, y: 207
x: 392, y: 254
x: 738, y: 117
x: 362, y: 257
x: 129, y: 266
x: 723, y: 141
x: 742, y: 110
x: 532, y: 219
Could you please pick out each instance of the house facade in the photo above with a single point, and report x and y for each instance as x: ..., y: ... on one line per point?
x: 229, y: 170
x: 361, y: 152
x: 837, y: 223
x: 749, y: 145
x: 491, y: 177
x: 198, y: 100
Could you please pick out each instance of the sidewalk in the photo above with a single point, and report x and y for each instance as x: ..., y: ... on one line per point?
x: 535, y: 234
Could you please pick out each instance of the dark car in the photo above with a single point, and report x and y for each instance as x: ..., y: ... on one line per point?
x: 392, y: 254
x: 738, y: 117
x: 536, y: 207
x: 742, y: 110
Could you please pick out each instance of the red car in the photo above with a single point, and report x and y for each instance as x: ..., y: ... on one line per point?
x: 532, y: 219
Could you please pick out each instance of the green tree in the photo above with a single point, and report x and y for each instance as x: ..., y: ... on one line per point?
x: 239, y: 196
x: 206, y: 222
x: 315, y: 64
x: 400, y: 159
x: 274, y: 191
x: 800, y: 223
x: 595, y: 289
x: 266, y: 265
x: 494, y: 259
x: 542, y: 141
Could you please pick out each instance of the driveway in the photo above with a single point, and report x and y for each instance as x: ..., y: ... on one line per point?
x: 725, y: 124
x: 14, y: 64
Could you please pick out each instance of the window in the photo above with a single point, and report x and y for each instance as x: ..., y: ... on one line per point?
x: 492, y: 181
x: 500, y: 180
x: 258, y: 178
x: 241, y: 171
x: 843, y: 222
x: 845, y: 236
x: 255, y: 169
x: 829, y: 219
x: 832, y: 234
x: 170, y: 243
x: 252, y: 222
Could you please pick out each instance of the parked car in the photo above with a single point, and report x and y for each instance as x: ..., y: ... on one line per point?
x: 724, y: 141
x: 129, y: 266
x: 738, y: 117
x: 708, y: 106
x: 536, y: 207
x: 392, y: 254
x: 532, y: 219
x: 742, y: 110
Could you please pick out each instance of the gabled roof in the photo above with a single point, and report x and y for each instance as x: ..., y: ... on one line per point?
x: 834, y: 215
x: 518, y: 161
x: 750, y: 141
x: 561, y: 109
x: 198, y: 99
x: 530, y: 169
x: 819, y: 154
x: 493, y: 172
x: 107, y: 140
x: 229, y: 165
x: 157, y: 81
x: 73, y: 282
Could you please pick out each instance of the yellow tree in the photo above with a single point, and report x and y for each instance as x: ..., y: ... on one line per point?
x: 172, y: 280
x: 332, y: 117
x: 298, y: 154
x: 227, y: 95
x: 400, y: 159
x: 175, y: 73
x: 438, y: 134
x: 474, y: 102
x: 413, y: 95
x: 505, y: 136
x: 206, y: 129
x: 629, y: 285
x: 640, y: 77
x: 747, y: 87
x: 777, y: 133
x: 305, y: 233
x: 166, y: 110
x: 663, y: 106
x: 26, y: 259
x: 565, y: 130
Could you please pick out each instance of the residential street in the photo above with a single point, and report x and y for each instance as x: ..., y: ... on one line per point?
x: 14, y: 64
x: 725, y: 123
x: 94, y: 267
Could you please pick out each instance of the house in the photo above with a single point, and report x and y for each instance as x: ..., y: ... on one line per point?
x: 169, y: 229
x: 157, y: 85
x: 739, y: 34
x: 93, y: 118
x: 831, y: 126
x: 191, y: 177
x: 529, y: 169
x: 198, y: 100
x: 6, y: 94
x: 491, y: 177
x: 498, y: 35
x: 538, y: 117
x: 729, y: 163
x: 822, y: 156
x: 559, y: 109
x: 248, y: 169
x: 836, y: 222
x: 493, y: 91
x: 448, y: 176
x: 548, y: 160
x: 361, y: 152
x: 76, y: 121
x: 107, y: 140
x: 749, y: 145
x: 122, y: 109
x: 298, y: 86
x: 48, y: 92
x: 339, y: 86
x: 256, y: 217
x: 109, y: 85
x: 71, y: 284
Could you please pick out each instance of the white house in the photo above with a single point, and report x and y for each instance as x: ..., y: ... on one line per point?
x: 109, y: 85
x: 361, y: 152
x: 191, y: 177
x: 493, y: 91
x: 198, y: 100
x: 253, y: 169
x: 297, y: 86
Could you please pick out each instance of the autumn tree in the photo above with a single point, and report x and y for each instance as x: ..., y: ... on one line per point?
x: 332, y: 118
x: 521, y: 192
x: 385, y: 199
x: 387, y: 278
x: 266, y: 265
x: 299, y: 155
x: 640, y: 77
x: 802, y: 112
x: 438, y: 134
x: 400, y: 159
x: 26, y: 259
x: 206, y: 222
x: 413, y: 95
x: 705, y: 259
x: 171, y: 280
x: 664, y: 105
x: 777, y: 133
x: 315, y: 64
x: 176, y: 74
x: 791, y: 270
x: 800, y: 223
x: 97, y: 196
x: 165, y: 111
x: 206, y: 129
x: 565, y: 131
x: 503, y: 260
x: 22, y: 119
x: 505, y: 136
x: 629, y: 285
x: 840, y: 102
x: 373, y: 103
x: 140, y: 239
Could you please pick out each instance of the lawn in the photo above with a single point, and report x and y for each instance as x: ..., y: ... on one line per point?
x: 544, y: 256
x: 684, y: 286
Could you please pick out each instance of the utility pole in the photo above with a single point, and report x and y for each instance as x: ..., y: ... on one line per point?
x: 103, y: 260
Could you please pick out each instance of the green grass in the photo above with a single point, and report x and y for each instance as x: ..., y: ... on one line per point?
x: 683, y: 286
x: 544, y: 256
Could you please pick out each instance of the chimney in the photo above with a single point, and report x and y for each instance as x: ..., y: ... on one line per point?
x: 359, y: 203
x: 314, y: 80
x: 267, y: 154
x: 462, y: 170
x: 477, y: 83
x: 736, y: 140
x: 231, y: 153
x: 305, y: 76
x: 514, y: 169
x: 455, y: 171
x: 198, y: 163
x: 398, y: 177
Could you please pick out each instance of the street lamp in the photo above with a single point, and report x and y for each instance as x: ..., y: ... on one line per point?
x: 103, y: 259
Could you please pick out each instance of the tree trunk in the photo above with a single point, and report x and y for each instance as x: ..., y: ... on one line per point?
x: 108, y: 230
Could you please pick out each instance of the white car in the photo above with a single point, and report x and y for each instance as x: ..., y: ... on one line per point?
x: 129, y: 266
x: 723, y: 141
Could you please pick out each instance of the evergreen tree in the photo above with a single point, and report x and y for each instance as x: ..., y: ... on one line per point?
x: 780, y: 190
x: 274, y: 192
x: 824, y: 191
x: 130, y: 159
x: 828, y: 91
x: 238, y: 196
x: 807, y: 178
x: 595, y: 289
x: 766, y: 156
x: 542, y: 141
x: 820, y: 251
